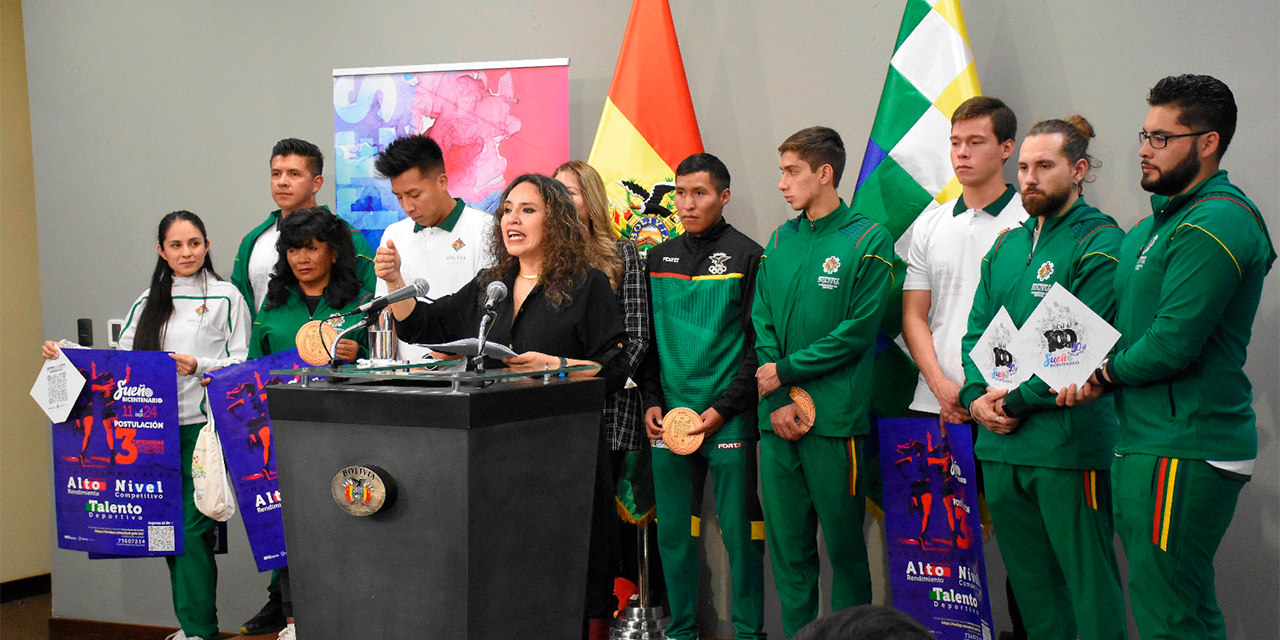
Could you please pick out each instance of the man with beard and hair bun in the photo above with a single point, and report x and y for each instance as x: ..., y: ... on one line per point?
x: 1188, y: 284
x: 1045, y: 466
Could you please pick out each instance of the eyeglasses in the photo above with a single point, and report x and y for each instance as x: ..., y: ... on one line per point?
x: 1160, y: 141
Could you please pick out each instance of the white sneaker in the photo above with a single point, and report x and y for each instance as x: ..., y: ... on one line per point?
x: 287, y: 633
x: 180, y: 635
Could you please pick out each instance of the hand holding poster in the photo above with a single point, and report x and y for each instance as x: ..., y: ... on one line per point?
x: 116, y: 470
x: 1063, y: 340
x: 932, y: 526
x: 1000, y: 367
x: 238, y: 405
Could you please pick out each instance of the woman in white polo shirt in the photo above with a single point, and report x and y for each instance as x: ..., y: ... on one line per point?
x: 203, y: 322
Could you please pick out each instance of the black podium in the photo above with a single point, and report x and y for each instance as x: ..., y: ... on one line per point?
x: 486, y: 535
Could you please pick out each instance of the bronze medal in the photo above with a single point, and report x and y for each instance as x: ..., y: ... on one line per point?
x: 802, y: 398
x: 314, y: 340
x: 675, y: 430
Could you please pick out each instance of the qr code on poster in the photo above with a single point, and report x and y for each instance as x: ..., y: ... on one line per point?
x: 57, y: 387
x: 159, y: 537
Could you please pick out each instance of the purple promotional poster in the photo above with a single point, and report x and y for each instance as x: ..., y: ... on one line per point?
x: 933, y: 528
x: 116, y: 469
x: 238, y: 405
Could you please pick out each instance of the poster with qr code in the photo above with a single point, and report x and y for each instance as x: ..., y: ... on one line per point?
x: 116, y: 458
x: 238, y: 406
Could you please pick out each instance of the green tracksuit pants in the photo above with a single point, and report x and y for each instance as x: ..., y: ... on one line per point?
x: 1171, y: 515
x: 193, y: 576
x: 1056, y: 536
x: 678, y: 485
x: 811, y: 481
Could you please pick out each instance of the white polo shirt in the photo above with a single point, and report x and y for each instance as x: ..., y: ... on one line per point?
x: 262, y: 262
x: 447, y: 256
x: 944, y: 248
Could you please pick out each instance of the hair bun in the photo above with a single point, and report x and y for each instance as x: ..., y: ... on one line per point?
x: 1081, y: 125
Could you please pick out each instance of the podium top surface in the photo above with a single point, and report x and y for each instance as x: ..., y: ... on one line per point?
x: 422, y: 372
x: 385, y: 400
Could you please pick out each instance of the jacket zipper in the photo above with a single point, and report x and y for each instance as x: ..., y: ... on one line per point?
x: 1173, y: 410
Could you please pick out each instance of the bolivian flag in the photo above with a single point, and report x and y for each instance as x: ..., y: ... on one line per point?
x: 647, y: 128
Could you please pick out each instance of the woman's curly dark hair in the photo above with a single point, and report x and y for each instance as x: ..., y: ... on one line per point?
x: 297, y: 230
x: 564, y: 259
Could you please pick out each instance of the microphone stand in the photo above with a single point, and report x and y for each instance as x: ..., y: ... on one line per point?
x: 333, y: 350
x: 485, y: 323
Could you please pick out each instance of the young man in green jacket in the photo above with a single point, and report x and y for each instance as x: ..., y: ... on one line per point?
x: 296, y: 167
x: 1046, y: 467
x: 702, y: 357
x: 820, y: 293
x: 1188, y: 284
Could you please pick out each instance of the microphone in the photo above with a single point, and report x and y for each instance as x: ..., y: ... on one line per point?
x: 416, y: 290
x: 493, y: 294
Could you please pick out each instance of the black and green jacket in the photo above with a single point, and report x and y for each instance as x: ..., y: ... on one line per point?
x: 1188, y: 284
x: 240, y: 270
x: 820, y: 293
x: 1077, y: 250
x: 702, y: 353
x: 275, y: 329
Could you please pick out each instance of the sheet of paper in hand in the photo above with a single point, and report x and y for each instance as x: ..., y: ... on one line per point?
x: 57, y: 387
x: 1063, y: 340
x: 469, y: 346
x: 1000, y: 367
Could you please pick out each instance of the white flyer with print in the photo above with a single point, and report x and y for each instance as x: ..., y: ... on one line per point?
x: 1063, y: 340
x: 57, y: 387
x: 999, y: 365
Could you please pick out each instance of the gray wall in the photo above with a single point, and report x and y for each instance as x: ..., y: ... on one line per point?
x: 139, y: 108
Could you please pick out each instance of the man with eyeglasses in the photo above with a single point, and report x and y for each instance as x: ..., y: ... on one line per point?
x: 1188, y: 284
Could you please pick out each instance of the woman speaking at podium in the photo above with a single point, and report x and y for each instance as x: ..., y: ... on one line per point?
x: 560, y: 312
x: 203, y: 322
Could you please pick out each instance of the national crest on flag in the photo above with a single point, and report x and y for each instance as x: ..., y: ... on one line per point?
x: 647, y: 128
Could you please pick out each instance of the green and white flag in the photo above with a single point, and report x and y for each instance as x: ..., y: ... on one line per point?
x: 907, y: 164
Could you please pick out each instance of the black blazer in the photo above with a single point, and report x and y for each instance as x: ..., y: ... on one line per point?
x: 586, y: 326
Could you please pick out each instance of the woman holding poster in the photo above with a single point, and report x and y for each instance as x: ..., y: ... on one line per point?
x: 204, y: 323
x: 314, y: 278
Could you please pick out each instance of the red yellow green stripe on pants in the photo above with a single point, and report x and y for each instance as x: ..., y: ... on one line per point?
x: 1171, y: 514
x: 1054, y: 528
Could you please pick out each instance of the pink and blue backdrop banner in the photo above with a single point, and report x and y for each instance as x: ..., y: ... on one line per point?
x: 933, y: 528
x: 493, y: 120
x: 238, y: 405
x: 116, y: 468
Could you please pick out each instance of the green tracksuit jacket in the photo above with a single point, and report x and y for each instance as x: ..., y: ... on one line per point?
x: 275, y: 329
x: 240, y: 270
x: 1188, y: 284
x: 702, y: 353
x: 1076, y: 250
x: 820, y: 293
